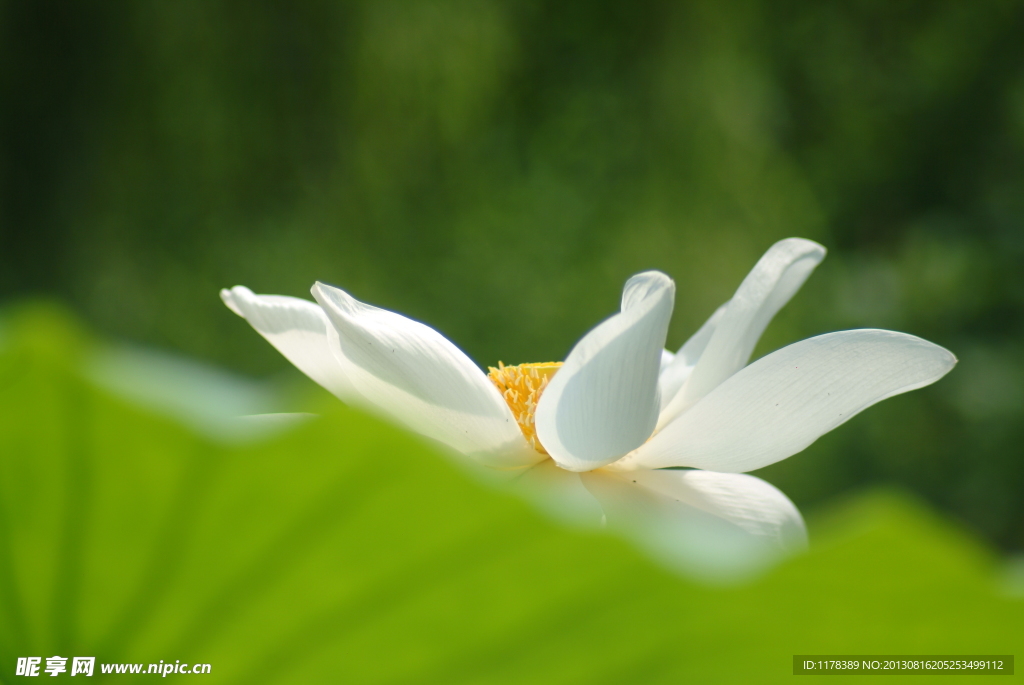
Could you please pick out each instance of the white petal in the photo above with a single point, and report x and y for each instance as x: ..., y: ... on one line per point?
x: 783, y: 402
x: 298, y: 329
x: 770, y: 284
x: 715, y: 525
x: 670, y: 378
x: 693, y: 348
x: 415, y: 375
x: 603, y: 402
x: 560, y: 494
x: 675, y: 369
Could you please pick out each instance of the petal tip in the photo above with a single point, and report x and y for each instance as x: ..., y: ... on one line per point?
x: 949, y: 359
x: 811, y: 247
x: 644, y: 285
x: 946, y: 359
x: 227, y: 296
x: 323, y: 293
x: 653, y: 275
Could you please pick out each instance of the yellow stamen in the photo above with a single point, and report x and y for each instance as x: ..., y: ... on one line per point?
x: 521, y: 386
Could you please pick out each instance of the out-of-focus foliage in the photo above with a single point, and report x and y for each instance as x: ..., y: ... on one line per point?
x: 348, y: 551
x: 498, y: 169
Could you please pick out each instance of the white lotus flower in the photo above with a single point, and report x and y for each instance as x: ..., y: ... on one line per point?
x: 608, y: 424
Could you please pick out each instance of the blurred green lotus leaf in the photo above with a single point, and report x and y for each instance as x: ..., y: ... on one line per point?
x: 344, y: 550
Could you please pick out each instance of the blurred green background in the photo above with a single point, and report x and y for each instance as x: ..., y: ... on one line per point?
x: 498, y: 169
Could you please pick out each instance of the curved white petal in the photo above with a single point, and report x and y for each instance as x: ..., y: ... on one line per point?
x: 693, y: 348
x: 664, y: 382
x: 298, y: 329
x: 415, y: 375
x: 770, y: 284
x: 784, y: 401
x: 603, y: 402
x: 675, y: 369
x: 670, y: 382
x: 717, y: 525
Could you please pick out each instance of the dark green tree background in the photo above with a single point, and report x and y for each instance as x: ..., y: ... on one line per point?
x: 497, y: 169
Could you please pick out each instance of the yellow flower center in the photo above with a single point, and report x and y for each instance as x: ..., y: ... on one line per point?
x: 521, y: 386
